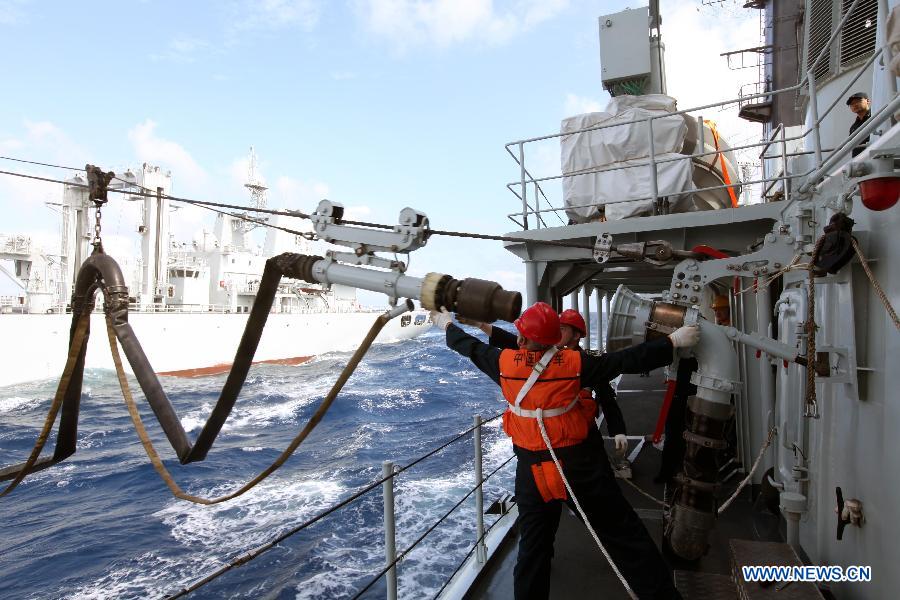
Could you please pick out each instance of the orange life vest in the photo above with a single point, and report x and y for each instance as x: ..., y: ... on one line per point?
x: 557, y: 389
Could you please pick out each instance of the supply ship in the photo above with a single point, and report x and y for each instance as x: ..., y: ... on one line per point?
x: 198, y: 290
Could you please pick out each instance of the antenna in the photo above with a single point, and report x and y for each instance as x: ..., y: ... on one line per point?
x: 257, y: 189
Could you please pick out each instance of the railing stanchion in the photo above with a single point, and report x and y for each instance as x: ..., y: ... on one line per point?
x: 786, y: 182
x: 390, y: 543
x: 814, y: 116
x: 481, y: 549
x: 523, y: 188
x: 701, y: 137
x: 653, y: 181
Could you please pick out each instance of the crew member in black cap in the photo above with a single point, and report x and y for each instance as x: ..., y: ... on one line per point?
x: 859, y: 105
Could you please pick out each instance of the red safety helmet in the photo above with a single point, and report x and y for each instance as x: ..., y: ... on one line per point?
x: 573, y: 318
x: 539, y: 323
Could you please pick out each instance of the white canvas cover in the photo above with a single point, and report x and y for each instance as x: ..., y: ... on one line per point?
x: 585, y: 194
x: 621, y: 145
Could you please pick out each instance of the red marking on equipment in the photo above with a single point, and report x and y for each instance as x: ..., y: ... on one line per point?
x: 664, y: 411
x: 758, y: 353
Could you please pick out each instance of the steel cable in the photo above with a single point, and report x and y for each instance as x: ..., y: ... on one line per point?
x: 290, y: 213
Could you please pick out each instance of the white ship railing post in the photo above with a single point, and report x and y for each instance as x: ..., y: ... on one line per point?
x: 701, y: 137
x: 481, y: 548
x: 390, y: 542
x: 786, y: 182
x: 601, y: 299
x: 814, y: 117
x: 523, y: 187
x: 653, y: 181
x: 586, y: 290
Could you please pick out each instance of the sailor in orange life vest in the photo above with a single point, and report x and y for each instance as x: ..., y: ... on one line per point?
x: 571, y: 329
x: 538, y: 376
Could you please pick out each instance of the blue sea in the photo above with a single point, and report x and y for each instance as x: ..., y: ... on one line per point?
x: 102, y: 524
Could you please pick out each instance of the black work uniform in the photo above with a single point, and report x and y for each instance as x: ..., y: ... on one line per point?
x: 592, y: 480
x: 857, y: 122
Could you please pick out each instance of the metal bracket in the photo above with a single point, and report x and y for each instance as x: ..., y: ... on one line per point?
x: 366, y: 259
x: 690, y: 276
x: 602, y: 248
x: 833, y: 363
x: 410, y: 234
x: 98, y: 183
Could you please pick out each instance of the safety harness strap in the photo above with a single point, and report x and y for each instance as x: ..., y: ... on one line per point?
x: 535, y: 373
x: 548, y: 412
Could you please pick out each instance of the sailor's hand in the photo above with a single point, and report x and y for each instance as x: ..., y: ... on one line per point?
x: 621, y: 443
x: 685, y: 337
x: 471, y: 322
x: 442, y: 319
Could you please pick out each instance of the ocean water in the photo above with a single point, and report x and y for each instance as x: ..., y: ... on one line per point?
x: 102, y: 524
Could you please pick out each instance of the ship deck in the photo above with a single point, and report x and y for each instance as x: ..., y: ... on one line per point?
x: 579, y: 570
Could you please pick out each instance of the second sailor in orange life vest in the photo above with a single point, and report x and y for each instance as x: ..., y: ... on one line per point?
x: 538, y: 376
x: 572, y: 329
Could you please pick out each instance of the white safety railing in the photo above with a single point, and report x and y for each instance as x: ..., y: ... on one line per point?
x: 390, y: 472
x: 778, y: 138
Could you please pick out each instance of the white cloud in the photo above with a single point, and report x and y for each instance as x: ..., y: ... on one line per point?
x: 256, y: 15
x: 343, y: 75
x: 11, y: 12
x: 357, y: 213
x: 182, y: 49
x: 513, y: 281
x: 407, y: 23
x: 39, y: 141
x: 296, y: 194
x: 697, y: 74
x: 148, y: 147
x: 577, y: 105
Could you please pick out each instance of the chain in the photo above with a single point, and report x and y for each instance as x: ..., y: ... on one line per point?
x: 98, y: 242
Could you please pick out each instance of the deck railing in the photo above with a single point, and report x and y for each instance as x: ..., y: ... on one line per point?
x: 811, y: 176
x: 390, y: 472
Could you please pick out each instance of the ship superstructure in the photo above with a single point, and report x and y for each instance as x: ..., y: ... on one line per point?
x: 202, y: 289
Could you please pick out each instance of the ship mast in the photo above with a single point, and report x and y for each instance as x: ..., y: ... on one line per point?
x: 257, y: 190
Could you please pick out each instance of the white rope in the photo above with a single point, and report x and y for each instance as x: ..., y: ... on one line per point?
x: 795, y: 265
x: 540, y: 420
x: 746, y: 480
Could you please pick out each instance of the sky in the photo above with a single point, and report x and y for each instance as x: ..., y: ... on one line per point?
x: 375, y: 104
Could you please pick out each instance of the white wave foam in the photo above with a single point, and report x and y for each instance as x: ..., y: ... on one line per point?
x: 253, y: 449
x: 92, y: 440
x: 18, y: 403
x: 143, y: 576
x: 251, y: 519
